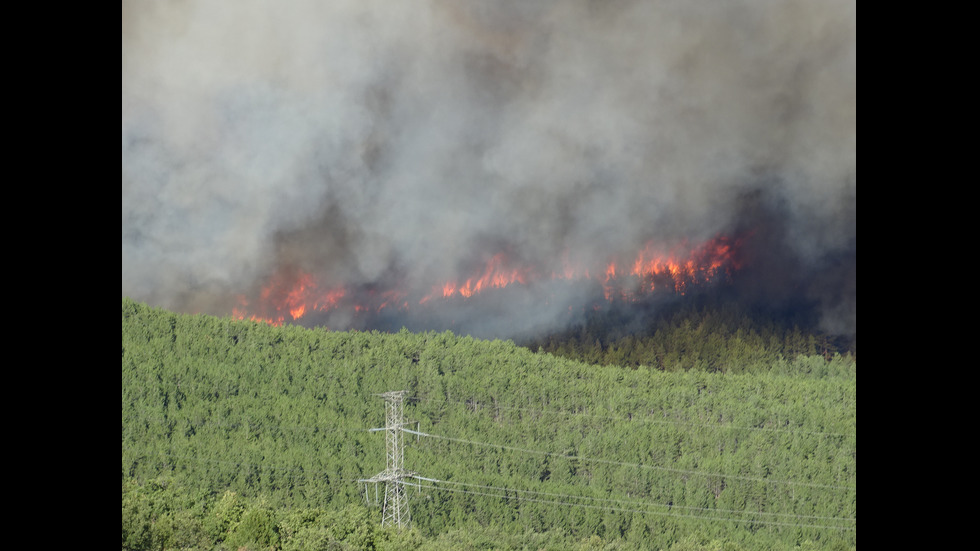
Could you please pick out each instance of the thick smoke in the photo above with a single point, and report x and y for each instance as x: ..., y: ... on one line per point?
x: 378, y: 143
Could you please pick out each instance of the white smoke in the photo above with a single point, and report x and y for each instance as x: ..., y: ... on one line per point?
x: 364, y: 140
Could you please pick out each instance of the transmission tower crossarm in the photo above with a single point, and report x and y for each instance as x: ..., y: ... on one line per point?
x: 395, y: 511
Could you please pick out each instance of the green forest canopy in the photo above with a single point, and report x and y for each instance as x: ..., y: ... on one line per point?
x: 237, y: 434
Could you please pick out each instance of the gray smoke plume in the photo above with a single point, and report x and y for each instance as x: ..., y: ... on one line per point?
x: 372, y: 142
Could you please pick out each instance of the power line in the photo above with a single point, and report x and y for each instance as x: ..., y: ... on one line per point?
x: 590, y: 502
x: 664, y: 505
x: 304, y: 473
x: 394, y: 476
x: 629, y: 506
x: 639, y: 511
x: 552, y: 454
x: 626, y: 464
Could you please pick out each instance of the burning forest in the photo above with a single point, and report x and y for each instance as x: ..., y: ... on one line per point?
x: 296, y: 296
x: 499, y: 169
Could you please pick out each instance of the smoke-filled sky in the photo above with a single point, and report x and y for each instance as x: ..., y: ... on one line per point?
x: 372, y: 141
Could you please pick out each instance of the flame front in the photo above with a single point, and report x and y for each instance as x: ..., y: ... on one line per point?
x: 297, y: 294
x: 495, y: 275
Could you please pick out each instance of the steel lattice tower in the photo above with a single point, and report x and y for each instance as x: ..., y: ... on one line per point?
x: 395, y: 511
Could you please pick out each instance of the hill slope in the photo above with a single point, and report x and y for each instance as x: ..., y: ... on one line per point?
x: 530, y: 449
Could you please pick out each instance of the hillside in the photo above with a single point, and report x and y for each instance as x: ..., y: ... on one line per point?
x: 237, y: 434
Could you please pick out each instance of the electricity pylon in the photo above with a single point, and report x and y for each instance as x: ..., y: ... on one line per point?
x: 395, y: 511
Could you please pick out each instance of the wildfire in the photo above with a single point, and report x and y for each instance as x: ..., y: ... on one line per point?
x: 295, y: 294
x: 496, y: 274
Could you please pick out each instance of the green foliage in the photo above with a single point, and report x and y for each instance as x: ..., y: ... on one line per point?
x: 161, y: 514
x: 239, y: 435
x: 255, y: 528
x: 699, y: 542
x: 717, y: 338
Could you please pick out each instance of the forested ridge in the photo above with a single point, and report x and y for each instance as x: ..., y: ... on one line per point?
x: 237, y: 435
x: 706, y: 331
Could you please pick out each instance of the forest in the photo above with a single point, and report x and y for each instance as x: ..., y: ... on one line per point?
x: 710, y: 432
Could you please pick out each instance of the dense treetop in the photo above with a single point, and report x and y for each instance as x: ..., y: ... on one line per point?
x: 237, y: 434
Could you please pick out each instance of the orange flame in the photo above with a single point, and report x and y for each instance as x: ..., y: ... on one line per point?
x: 495, y: 275
x: 297, y: 294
